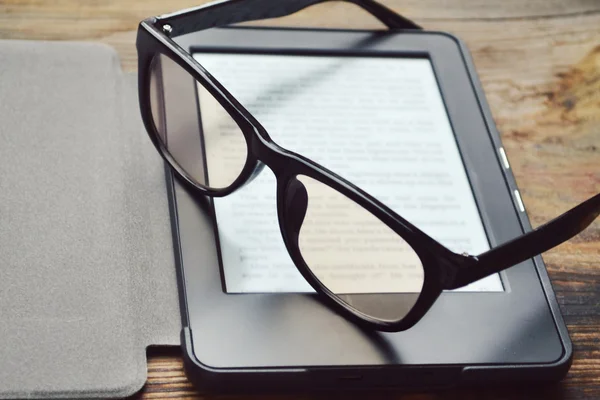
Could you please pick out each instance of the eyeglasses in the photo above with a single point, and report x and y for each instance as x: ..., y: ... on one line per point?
x: 236, y: 148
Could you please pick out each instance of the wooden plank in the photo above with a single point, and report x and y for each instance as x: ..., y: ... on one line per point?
x: 72, y: 19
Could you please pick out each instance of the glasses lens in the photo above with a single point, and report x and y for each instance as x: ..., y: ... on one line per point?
x: 351, y: 252
x: 194, y: 128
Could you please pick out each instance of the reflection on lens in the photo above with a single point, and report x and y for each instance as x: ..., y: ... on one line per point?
x: 206, y: 142
x: 354, y: 254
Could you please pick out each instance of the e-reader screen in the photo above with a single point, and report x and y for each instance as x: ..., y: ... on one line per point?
x: 379, y: 122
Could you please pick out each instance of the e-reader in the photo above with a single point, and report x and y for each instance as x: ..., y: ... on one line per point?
x: 403, y: 116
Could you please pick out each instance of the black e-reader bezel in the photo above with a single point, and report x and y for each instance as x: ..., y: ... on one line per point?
x: 292, y: 341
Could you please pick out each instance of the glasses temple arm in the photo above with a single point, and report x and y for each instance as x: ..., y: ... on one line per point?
x: 529, y: 245
x: 388, y: 17
x: 221, y: 13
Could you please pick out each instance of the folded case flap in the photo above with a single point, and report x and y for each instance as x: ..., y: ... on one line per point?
x: 87, y: 276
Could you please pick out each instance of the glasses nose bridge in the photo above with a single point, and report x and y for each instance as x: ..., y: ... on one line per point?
x: 270, y: 154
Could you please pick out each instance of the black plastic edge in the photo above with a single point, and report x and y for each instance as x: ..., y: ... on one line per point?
x: 559, y: 368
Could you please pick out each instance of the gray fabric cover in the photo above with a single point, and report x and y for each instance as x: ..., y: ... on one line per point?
x: 87, y: 276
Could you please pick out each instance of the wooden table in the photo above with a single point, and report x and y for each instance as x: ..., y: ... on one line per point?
x: 539, y: 62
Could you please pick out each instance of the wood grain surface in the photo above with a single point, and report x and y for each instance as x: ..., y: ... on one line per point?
x: 539, y: 62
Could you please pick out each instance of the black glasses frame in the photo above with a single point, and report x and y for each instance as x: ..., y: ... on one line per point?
x: 443, y: 269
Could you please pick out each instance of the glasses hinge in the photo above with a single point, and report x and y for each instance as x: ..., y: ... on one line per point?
x: 167, y: 29
x: 451, y: 270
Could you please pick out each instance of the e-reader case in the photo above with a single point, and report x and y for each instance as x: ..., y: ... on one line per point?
x: 87, y: 261
x: 87, y: 277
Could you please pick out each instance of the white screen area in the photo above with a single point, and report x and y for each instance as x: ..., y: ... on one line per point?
x: 378, y: 122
